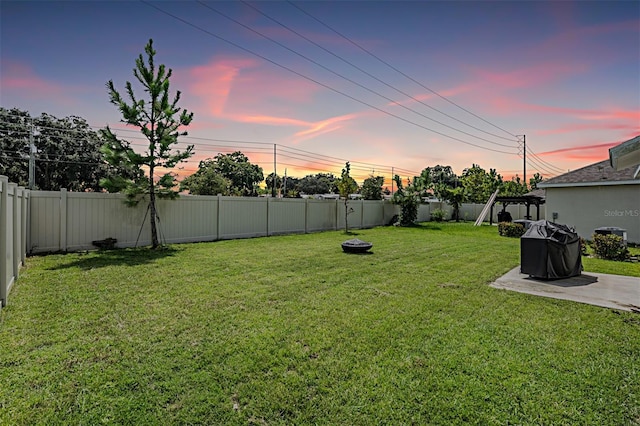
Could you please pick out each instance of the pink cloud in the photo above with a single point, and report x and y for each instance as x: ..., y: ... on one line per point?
x: 213, y: 82
x: 324, y: 126
x: 531, y: 76
x: 270, y: 120
x: 19, y: 77
x: 593, y: 152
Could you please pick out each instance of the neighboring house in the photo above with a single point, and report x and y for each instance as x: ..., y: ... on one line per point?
x: 595, y: 196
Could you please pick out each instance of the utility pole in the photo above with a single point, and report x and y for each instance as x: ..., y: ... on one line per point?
x: 32, y: 158
x: 524, y: 156
x: 392, y: 177
x: 273, y: 183
x: 524, y: 150
x: 284, y: 184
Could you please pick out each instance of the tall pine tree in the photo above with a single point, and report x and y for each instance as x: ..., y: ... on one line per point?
x: 159, y: 120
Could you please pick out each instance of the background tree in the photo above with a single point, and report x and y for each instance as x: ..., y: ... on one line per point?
x: 67, y: 151
x: 243, y: 175
x: 534, y: 181
x: 372, y: 188
x: 478, y: 184
x: 513, y: 187
x: 206, y: 181
x: 320, y: 183
x: 273, y: 183
x: 442, y: 179
x: 408, y: 199
x: 346, y: 186
x: 158, y: 119
x: 290, y: 187
x: 454, y: 197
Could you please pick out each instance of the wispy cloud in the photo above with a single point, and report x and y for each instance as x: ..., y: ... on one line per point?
x: 20, y: 78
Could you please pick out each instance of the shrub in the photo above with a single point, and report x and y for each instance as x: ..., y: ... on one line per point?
x: 609, y: 247
x: 510, y: 229
x: 583, y: 246
x: 437, y: 215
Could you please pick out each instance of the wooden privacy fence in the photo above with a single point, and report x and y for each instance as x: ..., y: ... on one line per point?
x: 14, y: 216
x: 70, y: 221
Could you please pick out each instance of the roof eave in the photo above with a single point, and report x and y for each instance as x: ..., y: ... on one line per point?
x: 599, y: 183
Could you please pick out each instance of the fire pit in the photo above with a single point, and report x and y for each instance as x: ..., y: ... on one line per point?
x: 356, y: 246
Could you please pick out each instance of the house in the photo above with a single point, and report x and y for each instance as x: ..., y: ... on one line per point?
x: 594, y: 196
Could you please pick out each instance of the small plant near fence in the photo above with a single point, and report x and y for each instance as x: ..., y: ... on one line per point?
x: 437, y: 215
x: 510, y: 229
x: 609, y: 247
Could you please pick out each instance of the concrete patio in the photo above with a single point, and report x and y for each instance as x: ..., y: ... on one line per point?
x: 609, y: 291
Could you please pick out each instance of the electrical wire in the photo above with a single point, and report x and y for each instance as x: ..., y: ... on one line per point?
x: 316, y: 81
x: 396, y: 69
x: 381, y: 81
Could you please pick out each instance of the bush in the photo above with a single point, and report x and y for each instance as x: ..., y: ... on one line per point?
x: 609, y: 247
x: 510, y: 229
x: 437, y: 215
x: 583, y: 246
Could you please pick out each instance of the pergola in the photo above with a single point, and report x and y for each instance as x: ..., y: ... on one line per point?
x: 534, y: 198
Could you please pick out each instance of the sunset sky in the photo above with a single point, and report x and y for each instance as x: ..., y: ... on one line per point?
x: 382, y: 84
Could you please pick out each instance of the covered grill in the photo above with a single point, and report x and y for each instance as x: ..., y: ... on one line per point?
x: 550, y: 250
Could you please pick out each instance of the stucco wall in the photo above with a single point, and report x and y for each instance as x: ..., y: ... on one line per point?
x: 590, y: 207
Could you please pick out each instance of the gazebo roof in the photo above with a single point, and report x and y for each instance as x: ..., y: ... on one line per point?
x: 535, y: 197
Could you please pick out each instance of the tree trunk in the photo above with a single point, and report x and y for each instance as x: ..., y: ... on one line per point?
x: 346, y: 216
x: 152, y: 204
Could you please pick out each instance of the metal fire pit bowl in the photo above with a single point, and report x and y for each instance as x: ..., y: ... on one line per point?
x: 356, y: 246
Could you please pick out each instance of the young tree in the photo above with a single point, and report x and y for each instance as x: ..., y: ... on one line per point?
x: 158, y: 119
x: 346, y: 186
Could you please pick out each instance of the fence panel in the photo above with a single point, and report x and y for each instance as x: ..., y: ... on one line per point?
x: 242, y: 217
x: 189, y: 219
x: 321, y: 215
x: 372, y: 214
x: 287, y: 215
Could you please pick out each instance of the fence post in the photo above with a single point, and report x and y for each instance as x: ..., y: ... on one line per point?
x: 4, y: 274
x: 218, y: 218
x: 306, y: 215
x: 23, y: 231
x: 63, y: 219
x: 268, y: 205
x: 16, y: 230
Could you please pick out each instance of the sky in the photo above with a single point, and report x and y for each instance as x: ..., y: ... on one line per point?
x: 392, y: 87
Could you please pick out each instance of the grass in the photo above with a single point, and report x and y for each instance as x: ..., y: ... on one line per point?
x: 290, y: 330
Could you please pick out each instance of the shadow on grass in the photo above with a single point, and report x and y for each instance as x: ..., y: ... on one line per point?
x: 117, y: 257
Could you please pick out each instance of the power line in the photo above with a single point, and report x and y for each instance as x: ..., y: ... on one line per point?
x: 379, y: 80
x: 396, y: 69
x: 318, y: 82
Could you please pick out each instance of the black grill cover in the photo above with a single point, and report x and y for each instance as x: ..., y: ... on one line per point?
x: 550, y: 250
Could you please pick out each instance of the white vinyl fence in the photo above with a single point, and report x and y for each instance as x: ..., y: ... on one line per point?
x: 14, y: 215
x: 51, y: 221
x: 70, y: 221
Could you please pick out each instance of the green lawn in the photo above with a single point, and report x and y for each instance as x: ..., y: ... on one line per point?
x: 290, y: 330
